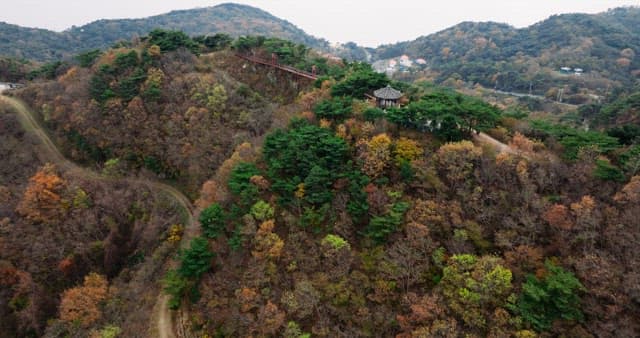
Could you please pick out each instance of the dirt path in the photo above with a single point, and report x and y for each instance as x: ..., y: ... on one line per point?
x: 501, y: 147
x: 161, y: 324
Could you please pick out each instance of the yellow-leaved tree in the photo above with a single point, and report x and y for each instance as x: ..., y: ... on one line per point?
x: 376, y: 155
x: 407, y: 150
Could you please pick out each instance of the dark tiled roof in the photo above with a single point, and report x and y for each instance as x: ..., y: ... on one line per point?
x: 387, y: 93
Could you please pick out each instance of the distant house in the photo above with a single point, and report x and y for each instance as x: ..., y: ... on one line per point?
x: 332, y: 57
x: 565, y: 70
x: 421, y: 61
x: 387, y: 97
x: 405, y: 61
x: 578, y: 71
x: 7, y: 85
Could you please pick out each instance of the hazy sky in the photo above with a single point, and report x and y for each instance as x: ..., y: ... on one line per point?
x: 368, y: 23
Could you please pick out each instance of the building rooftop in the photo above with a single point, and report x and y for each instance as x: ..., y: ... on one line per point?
x: 387, y: 93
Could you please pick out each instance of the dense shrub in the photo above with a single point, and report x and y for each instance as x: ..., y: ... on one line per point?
x: 195, y: 260
x: 362, y: 80
x: 554, y: 296
x: 337, y: 108
x: 212, y: 220
x: 380, y: 227
x: 308, y: 155
x: 240, y: 182
x: 172, y: 40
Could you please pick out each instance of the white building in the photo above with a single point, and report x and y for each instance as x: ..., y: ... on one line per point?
x: 405, y: 61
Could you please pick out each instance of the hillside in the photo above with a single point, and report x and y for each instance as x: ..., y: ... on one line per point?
x: 355, y: 222
x: 500, y: 56
x: 319, y: 213
x: 233, y: 19
x: 180, y: 115
x: 60, y: 225
x: 132, y: 117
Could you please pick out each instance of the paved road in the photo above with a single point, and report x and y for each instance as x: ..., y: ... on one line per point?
x: 539, y: 97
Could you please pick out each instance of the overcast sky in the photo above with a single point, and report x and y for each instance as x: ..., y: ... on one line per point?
x: 368, y: 23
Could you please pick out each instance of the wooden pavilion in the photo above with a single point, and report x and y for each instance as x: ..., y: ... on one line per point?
x: 387, y: 97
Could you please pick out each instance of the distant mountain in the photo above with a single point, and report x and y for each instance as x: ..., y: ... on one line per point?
x: 234, y: 19
x: 603, y: 45
x: 494, y: 55
x: 33, y: 43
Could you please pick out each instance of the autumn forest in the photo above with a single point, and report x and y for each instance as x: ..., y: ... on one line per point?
x: 166, y: 187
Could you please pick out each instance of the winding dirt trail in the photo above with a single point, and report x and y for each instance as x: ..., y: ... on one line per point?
x: 161, y: 323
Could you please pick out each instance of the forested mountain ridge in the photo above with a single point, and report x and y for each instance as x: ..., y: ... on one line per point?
x: 233, y: 19
x: 497, y: 55
x: 491, y: 54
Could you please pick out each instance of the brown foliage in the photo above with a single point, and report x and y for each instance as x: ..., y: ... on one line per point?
x: 267, y: 243
x: 42, y: 200
x: 630, y: 193
x: 426, y: 318
x: 248, y: 299
x: 260, y: 182
x: 270, y: 319
x: 377, y: 199
x: 208, y: 194
x: 302, y: 301
x: 439, y: 216
x: 558, y: 217
x: 82, y: 303
x: 66, y: 266
x: 408, y: 259
x: 8, y: 274
x: 521, y: 143
x: 245, y: 152
x: 586, y: 205
x: 375, y: 154
x: 457, y: 161
x: 308, y: 99
x: 524, y: 259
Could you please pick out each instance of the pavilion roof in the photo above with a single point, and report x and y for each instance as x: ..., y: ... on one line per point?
x: 387, y: 93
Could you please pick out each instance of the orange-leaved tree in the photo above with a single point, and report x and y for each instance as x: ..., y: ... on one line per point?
x: 82, y: 303
x: 42, y: 200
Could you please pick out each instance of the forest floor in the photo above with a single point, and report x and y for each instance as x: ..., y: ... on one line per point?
x: 161, y: 323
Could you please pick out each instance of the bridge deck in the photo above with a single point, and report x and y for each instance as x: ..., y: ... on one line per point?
x: 285, y: 68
